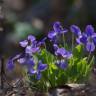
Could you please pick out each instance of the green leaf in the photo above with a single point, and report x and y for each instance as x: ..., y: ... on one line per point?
x: 78, y: 51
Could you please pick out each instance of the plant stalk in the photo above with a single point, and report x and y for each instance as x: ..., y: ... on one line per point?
x: 2, y: 73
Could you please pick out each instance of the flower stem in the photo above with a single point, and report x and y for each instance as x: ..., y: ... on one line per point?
x: 48, y: 72
x: 64, y: 40
x: 89, y: 56
x: 72, y: 41
x: 72, y: 48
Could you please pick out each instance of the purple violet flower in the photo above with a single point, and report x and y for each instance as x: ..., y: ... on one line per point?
x: 40, y: 68
x: 31, y: 50
x: 10, y: 65
x: 82, y: 39
x: 57, y: 31
x: 21, y: 60
x: 42, y: 42
x: 55, y: 46
x: 75, y: 29
x: 58, y: 28
x: 88, y: 38
x: 27, y: 61
x: 31, y: 38
x: 89, y: 30
x: 90, y: 46
x: 62, y: 64
x: 63, y: 53
x: 30, y: 45
x: 23, y: 43
x: 52, y: 34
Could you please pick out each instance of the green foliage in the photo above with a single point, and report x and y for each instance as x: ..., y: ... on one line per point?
x: 78, y: 70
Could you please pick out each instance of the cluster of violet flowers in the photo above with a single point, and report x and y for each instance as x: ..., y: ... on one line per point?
x: 87, y: 38
x: 31, y: 47
x: 62, y: 55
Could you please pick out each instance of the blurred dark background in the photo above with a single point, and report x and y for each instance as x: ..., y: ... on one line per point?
x: 23, y: 17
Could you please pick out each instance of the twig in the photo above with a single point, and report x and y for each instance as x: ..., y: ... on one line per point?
x: 11, y: 93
